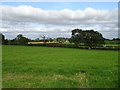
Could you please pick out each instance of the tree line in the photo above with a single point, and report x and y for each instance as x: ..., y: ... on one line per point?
x: 22, y: 40
x: 79, y: 37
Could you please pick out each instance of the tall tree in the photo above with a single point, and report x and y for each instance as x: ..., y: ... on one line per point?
x: 90, y: 38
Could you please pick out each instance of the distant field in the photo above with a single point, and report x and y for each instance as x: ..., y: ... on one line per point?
x: 47, y: 67
x: 112, y: 43
x: 107, y: 44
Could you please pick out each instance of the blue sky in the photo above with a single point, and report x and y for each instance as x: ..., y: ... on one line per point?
x: 68, y: 5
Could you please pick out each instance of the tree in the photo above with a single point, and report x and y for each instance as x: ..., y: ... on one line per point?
x: 19, y: 36
x: 77, y: 37
x: 43, y: 39
x: 2, y: 38
x: 21, y: 40
x: 50, y: 40
x: 117, y: 39
x: 60, y: 39
x: 37, y: 40
x: 93, y: 38
x: 90, y: 38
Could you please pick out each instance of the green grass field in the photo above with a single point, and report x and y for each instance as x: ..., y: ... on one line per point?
x: 47, y: 67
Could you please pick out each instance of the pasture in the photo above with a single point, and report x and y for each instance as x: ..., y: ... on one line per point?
x: 48, y: 67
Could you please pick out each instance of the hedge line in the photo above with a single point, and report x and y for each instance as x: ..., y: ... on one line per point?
x: 74, y: 46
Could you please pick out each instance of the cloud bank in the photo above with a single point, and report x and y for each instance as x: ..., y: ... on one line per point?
x: 29, y: 19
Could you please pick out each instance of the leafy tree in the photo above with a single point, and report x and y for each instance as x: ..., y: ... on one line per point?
x: 60, y: 39
x: 37, y: 40
x: 90, y: 38
x: 77, y: 37
x: 19, y: 36
x: 93, y: 38
x: 21, y: 40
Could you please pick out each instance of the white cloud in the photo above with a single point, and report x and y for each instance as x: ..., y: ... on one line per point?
x: 30, y: 14
x: 22, y: 18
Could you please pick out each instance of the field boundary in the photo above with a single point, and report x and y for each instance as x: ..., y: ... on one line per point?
x: 115, y: 48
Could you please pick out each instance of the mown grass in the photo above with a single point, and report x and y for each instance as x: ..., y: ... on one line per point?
x: 47, y: 67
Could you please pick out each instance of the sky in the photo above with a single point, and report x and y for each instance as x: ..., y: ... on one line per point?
x: 58, y: 19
